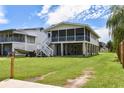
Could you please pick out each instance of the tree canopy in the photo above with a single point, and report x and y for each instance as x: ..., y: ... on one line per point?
x: 116, y: 24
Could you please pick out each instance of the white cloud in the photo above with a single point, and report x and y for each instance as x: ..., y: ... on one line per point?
x: 3, y: 20
x: 1, y: 14
x: 94, y: 12
x: 64, y: 13
x: 103, y: 33
x: 73, y: 12
x: 45, y: 9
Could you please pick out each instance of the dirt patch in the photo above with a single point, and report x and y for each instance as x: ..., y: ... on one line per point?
x: 81, y: 80
x: 34, y: 79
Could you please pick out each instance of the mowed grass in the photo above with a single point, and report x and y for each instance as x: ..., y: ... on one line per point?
x: 108, y: 72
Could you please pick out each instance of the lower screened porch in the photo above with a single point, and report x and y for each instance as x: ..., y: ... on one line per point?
x: 5, y: 49
x: 85, y: 49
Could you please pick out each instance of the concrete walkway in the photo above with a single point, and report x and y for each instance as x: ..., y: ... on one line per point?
x: 12, y: 83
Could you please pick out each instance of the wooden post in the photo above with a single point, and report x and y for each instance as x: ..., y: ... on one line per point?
x: 12, y: 66
x: 119, y: 52
x: 122, y: 53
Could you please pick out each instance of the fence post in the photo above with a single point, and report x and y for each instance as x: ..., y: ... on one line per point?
x: 119, y: 52
x: 12, y: 66
x: 122, y: 53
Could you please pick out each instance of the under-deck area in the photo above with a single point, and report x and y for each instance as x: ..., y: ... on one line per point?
x: 75, y: 49
x: 5, y: 49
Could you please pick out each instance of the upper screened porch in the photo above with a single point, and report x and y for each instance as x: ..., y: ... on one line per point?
x: 64, y: 31
x: 11, y: 36
x: 77, y: 34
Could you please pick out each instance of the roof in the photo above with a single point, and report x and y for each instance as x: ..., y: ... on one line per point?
x: 78, y: 24
x: 41, y: 28
x: 6, y: 30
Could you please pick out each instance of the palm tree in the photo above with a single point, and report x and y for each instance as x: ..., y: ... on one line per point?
x: 116, y: 24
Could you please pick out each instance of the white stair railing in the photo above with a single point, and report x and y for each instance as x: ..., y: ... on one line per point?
x: 44, y: 47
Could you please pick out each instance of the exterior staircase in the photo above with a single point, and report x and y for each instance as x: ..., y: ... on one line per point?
x: 43, y: 48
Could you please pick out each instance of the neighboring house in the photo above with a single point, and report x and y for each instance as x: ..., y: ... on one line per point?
x: 73, y: 39
x: 102, y: 47
x: 23, y: 39
x: 57, y: 40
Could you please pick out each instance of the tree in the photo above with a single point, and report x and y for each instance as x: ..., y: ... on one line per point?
x: 110, y: 46
x: 116, y: 25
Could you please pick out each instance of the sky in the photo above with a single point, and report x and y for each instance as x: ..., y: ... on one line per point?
x: 31, y: 16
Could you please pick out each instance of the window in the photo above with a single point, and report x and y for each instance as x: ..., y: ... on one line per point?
x: 62, y: 35
x: 30, y: 39
x: 79, y: 34
x: 70, y: 34
x: 87, y: 35
x: 18, y: 38
x: 54, y: 36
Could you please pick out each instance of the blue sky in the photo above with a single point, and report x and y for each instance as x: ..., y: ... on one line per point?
x: 43, y: 16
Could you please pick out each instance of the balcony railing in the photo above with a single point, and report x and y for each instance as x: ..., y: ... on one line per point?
x: 54, y: 39
x: 70, y: 38
x: 11, y: 40
x: 62, y: 38
x: 79, y: 37
x: 87, y: 38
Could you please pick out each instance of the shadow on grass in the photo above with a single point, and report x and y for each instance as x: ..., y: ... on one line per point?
x: 65, y: 56
x: 76, y: 56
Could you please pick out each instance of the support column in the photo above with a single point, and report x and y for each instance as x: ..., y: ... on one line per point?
x: 25, y: 42
x: 54, y: 48
x: 74, y: 34
x: 66, y: 50
x: 95, y: 49
x: 2, y: 49
x: 51, y: 36
x: 91, y: 49
x: 66, y: 34
x: 84, y: 49
x: 61, y: 49
x: 13, y: 50
x: 58, y: 35
x: 88, y: 49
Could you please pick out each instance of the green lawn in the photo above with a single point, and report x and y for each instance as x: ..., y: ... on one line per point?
x: 108, y: 72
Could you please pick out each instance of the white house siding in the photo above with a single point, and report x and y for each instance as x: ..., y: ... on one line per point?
x: 93, y: 40
x: 23, y: 46
x: 40, y: 36
x: 18, y: 45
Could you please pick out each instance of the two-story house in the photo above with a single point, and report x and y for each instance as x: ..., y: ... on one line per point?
x: 23, y: 39
x: 73, y: 39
